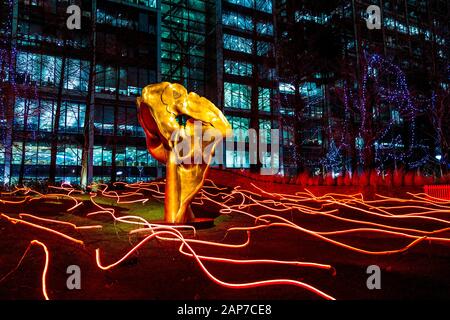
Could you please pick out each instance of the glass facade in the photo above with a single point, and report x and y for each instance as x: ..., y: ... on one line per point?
x: 249, y: 86
x: 413, y: 37
x: 238, y: 68
x: 237, y: 95
x: 186, y: 29
x: 260, y: 5
x: 126, y: 61
x: 221, y: 49
x: 237, y: 43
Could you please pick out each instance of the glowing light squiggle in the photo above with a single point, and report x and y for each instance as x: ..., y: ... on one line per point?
x: 254, y: 205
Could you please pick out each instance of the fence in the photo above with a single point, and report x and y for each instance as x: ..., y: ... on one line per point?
x: 438, y: 191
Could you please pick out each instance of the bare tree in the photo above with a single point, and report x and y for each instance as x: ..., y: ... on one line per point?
x: 439, y: 113
x: 87, y: 151
x: 56, y: 121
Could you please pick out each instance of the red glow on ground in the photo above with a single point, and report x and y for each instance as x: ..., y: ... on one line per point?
x: 273, y: 210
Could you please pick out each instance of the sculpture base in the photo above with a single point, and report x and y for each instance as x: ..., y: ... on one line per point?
x: 197, y: 223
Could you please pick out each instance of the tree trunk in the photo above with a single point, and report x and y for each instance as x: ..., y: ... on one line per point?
x: 55, y: 129
x: 115, y: 128
x: 10, y: 98
x: 23, y: 153
x: 86, y: 158
x: 298, y: 115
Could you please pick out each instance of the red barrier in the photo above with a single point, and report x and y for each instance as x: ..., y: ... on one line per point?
x: 438, y: 191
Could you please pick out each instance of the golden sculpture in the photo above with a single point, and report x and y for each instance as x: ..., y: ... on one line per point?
x: 158, y: 108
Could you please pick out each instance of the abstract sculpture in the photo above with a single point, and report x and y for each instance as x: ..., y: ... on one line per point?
x: 159, y: 108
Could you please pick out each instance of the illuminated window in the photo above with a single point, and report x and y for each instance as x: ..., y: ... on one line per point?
x: 147, y: 3
x: 264, y: 28
x: 51, y: 70
x: 131, y: 79
x: 184, y: 26
x: 264, y: 99
x: 46, y: 70
x: 107, y: 156
x: 237, y: 95
x: 359, y: 142
x: 26, y: 114
x: 237, y: 159
x: 2, y: 154
x: 238, y: 68
x: 29, y: 155
x: 372, y: 72
x: 27, y: 67
x: 141, y: 157
x: 264, y: 5
x: 270, y: 160
x: 98, y: 119
x: 72, y: 117
x: 261, y: 5
x: 240, y: 127
x: 77, y: 75
x: 120, y: 156
x: 16, y: 152
x: 125, y: 156
x: 244, y: 3
x: 60, y: 154
x: 413, y: 30
x: 72, y: 155
x: 19, y: 112
x: 130, y: 160
x: 127, y: 122
x: 310, y: 89
x: 264, y: 128
x: 46, y: 116
x: 97, y: 161
x: 44, y: 154
x: 395, y: 116
x: 108, y: 120
x: 128, y: 20
x: 306, y: 16
x: 237, y: 20
x: 236, y: 43
x: 287, y: 88
x: 288, y: 136
x: 264, y: 48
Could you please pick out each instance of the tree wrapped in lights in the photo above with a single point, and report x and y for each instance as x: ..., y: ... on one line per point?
x: 8, y: 87
x: 387, y: 112
x: 333, y: 161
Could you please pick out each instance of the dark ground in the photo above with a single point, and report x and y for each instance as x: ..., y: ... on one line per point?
x: 159, y: 271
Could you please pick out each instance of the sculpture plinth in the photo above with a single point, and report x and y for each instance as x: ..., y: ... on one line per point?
x: 159, y: 107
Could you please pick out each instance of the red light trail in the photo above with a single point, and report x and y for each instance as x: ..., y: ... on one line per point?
x: 266, y: 210
x: 44, y: 271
